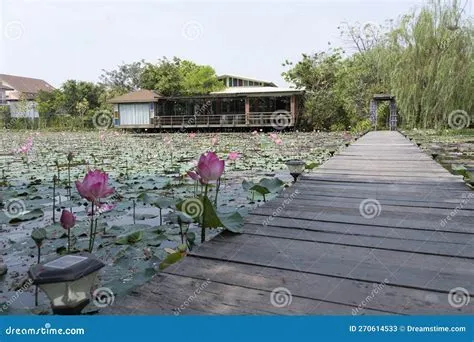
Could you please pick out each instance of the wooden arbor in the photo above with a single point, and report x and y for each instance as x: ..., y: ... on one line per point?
x: 392, y: 120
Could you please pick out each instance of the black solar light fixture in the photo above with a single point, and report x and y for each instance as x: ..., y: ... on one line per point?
x: 67, y: 281
x: 296, y: 167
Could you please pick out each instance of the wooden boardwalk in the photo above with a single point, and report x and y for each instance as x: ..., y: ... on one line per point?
x: 380, y: 228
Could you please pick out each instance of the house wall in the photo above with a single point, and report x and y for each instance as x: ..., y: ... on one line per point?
x: 3, y: 96
x: 135, y: 113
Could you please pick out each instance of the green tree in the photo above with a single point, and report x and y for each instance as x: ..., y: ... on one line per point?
x: 164, y: 77
x: 317, y: 74
x: 432, y: 64
x: 180, y: 77
x: 123, y: 79
x: 198, y: 79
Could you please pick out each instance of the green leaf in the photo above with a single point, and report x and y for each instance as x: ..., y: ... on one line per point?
x: 157, y: 201
x: 61, y: 250
x: 233, y: 222
x: 130, y: 239
x: 213, y: 219
x: 260, y: 189
x: 28, y: 216
x: 272, y: 184
x: 311, y: 166
x: 171, y: 259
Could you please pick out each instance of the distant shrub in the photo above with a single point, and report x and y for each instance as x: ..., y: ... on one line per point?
x: 362, y: 126
x: 337, y: 127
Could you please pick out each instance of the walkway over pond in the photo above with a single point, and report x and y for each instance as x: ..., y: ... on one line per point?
x: 380, y: 228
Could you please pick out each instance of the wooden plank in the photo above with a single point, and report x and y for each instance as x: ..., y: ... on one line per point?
x: 390, y: 299
x: 356, y: 198
x: 388, y: 219
x: 360, y: 263
x: 433, y: 214
x: 361, y: 229
x: 421, y: 246
x: 172, y: 294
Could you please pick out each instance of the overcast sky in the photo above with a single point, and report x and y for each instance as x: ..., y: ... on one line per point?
x: 75, y: 39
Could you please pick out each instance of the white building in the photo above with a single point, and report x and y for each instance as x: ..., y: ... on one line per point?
x: 15, y: 89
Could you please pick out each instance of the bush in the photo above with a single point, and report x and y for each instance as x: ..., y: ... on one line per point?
x: 362, y: 126
x: 338, y: 127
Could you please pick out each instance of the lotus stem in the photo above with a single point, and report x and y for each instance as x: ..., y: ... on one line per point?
x: 36, y: 288
x: 54, y: 199
x: 91, y: 232
x: 134, y: 205
x: 203, y: 226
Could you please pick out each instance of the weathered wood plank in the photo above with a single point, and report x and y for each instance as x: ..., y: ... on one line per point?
x: 421, y: 246
x: 343, y: 291
x: 360, y: 229
x: 361, y: 263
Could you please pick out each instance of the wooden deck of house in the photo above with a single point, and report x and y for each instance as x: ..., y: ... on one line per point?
x: 330, y: 251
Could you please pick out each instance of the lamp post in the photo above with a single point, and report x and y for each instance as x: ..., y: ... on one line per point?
x: 296, y: 167
x: 67, y: 281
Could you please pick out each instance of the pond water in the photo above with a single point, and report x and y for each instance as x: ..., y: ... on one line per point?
x: 136, y: 163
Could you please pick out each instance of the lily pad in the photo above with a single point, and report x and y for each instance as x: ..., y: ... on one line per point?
x: 28, y: 216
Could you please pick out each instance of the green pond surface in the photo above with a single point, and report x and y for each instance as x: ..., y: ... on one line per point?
x: 136, y: 163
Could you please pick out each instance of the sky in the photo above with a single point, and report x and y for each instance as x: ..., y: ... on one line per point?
x: 57, y: 40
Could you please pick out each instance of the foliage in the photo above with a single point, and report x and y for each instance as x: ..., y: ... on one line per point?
x: 126, y: 78
x: 425, y: 60
x: 179, y: 77
x: 362, y: 126
x: 76, y: 99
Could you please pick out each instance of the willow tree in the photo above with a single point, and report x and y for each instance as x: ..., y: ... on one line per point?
x: 430, y: 65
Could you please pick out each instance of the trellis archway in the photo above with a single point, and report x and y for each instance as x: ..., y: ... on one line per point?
x: 392, y: 119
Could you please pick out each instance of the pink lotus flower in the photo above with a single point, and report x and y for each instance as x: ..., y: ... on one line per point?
x: 233, y: 156
x: 167, y: 140
x: 94, y: 186
x: 102, y: 137
x: 26, y: 147
x: 67, y: 220
x: 192, y: 135
x: 209, y: 168
x: 254, y: 132
x: 273, y: 136
x: 278, y: 141
x: 214, y: 141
